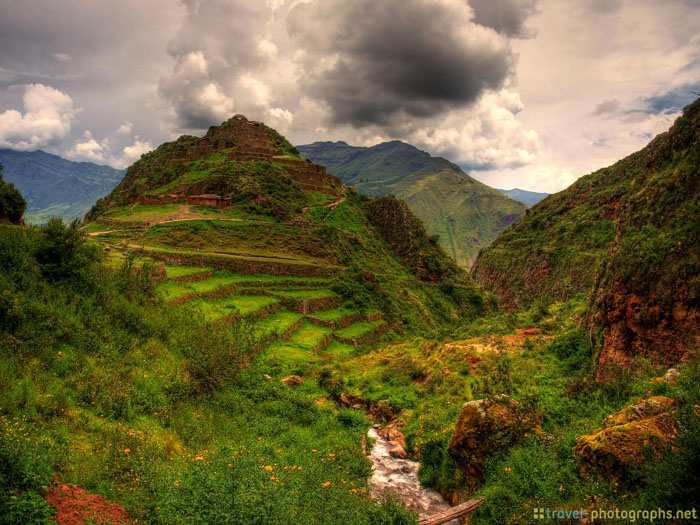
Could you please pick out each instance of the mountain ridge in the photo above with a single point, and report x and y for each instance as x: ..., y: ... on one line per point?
x: 54, y: 186
x: 465, y: 213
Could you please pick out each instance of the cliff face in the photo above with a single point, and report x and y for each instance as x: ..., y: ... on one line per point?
x: 627, y: 235
x: 646, y: 297
x: 407, y: 236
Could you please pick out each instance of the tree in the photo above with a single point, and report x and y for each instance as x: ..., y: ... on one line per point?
x: 12, y: 204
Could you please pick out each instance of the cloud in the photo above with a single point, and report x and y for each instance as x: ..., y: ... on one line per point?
x: 62, y: 57
x: 89, y: 149
x: 379, y: 62
x: 505, y: 16
x: 673, y: 100
x: 197, y: 100
x: 604, y: 6
x: 126, y: 128
x: 486, y: 136
x: 606, y: 107
x: 219, y: 51
x: 132, y: 153
x: 46, y: 121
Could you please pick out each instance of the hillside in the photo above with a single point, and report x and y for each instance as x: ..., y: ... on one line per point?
x: 629, y: 234
x: 248, y: 356
x: 54, y: 186
x: 241, y: 200
x: 528, y: 198
x: 466, y: 214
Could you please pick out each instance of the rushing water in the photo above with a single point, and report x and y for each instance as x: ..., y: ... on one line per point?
x: 400, y: 476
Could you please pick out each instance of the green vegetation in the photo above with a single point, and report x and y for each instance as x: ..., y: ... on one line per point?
x: 360, y: 329
x: 12, y: 204
x: 465, y: 214
x: 148, y: 404
x: 558, y: 249
x: 193, y: 370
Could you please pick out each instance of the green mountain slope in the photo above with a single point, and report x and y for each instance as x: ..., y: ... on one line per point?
x: 285, y: 216
x: 528, y: 198
x: 628, y: 235
x: 54, y: 186
x: 466, y: 214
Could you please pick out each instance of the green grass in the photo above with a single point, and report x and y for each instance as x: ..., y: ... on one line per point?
x: 338, y: 349
x: 174, y: 272
x: 218, y: 280
x: 243, y: 305
x: 278, y: 322
x: 309, y: 335
x: 305, y: 294
x: 335, y: 315
x: 142, y: 213
x: 359, y: 329
x: 170, y: 290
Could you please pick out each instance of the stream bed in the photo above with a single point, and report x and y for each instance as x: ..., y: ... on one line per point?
x: 400, y: 476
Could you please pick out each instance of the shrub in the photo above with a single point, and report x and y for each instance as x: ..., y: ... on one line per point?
x: 12, y: 204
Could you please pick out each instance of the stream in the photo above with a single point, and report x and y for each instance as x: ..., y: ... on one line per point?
x: 400, y: 476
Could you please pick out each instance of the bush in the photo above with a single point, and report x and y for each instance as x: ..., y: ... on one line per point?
x: 12, y: 204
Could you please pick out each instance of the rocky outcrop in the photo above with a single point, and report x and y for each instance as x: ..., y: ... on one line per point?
x: 626, y: 437
x: 293, y: 381
x: 484, y: 428
x: 646, y: 298
x: 407, y: 236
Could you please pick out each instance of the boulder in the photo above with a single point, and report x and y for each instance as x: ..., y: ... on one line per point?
x: 485, y: 427
x: 398, y: 452
x: 293, y: 381
x: 392, y: 433
x: 671, y: 375
x: 626, y: 437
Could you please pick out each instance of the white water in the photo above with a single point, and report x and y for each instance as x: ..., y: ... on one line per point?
x: 400, y: 476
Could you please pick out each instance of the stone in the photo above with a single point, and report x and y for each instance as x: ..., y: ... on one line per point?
x: 293, y: 381
x: 484, y: 428
x: 398, y: 452
x: 625, y: 437
x: 671, y: 375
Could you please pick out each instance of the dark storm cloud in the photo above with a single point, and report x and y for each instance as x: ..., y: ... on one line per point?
x: 376, y: 62
x: 505, y: 16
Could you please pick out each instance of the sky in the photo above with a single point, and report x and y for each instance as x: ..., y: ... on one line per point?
x: 520, y: 93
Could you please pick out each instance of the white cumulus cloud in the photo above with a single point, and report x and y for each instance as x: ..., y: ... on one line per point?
x: 46, y: 120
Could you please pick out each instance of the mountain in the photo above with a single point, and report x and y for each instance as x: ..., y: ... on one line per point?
x: 466, y: 214
x: 627, y: 235
x: 528, y: 198
x: 242, y: 199
x: 54, y: 186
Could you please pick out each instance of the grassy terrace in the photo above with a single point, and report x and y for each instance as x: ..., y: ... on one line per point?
x: 173, y: 272
x: 242, y: 305
x: 360, y: 329
x: 278, y: 323
x: 338, y: 313
x: 171, y: 290
x: 305, y: 294
x: 309, y: 335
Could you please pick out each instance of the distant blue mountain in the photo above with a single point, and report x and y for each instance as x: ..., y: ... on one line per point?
x: 54, y: 186
x: 528, y: 198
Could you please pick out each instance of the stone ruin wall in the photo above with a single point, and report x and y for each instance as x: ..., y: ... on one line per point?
x: 246, y: 141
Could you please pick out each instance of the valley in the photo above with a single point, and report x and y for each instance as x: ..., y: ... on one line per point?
x: 234, y: 336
